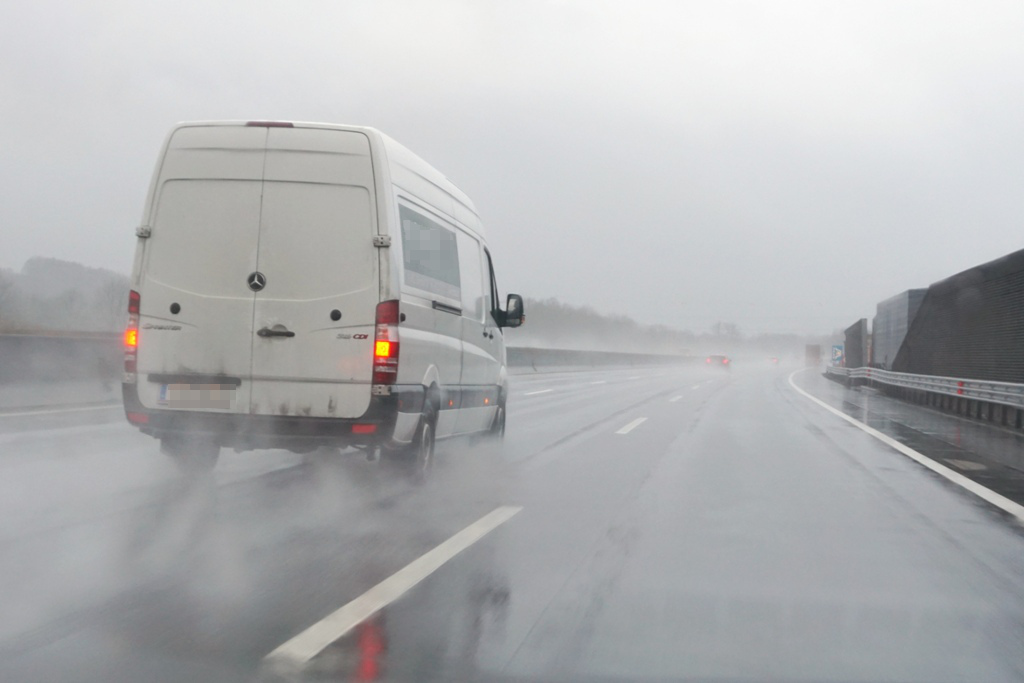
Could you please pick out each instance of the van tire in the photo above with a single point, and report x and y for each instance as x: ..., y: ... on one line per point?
x: 417, y: 459
x: 497, y: 431
x: 192, y: 455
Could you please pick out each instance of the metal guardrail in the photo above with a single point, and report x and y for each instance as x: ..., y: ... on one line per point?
x: 1003, y: 393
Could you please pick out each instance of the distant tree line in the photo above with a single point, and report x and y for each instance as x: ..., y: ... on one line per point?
x: 553, y: 324
x: 50, y: 295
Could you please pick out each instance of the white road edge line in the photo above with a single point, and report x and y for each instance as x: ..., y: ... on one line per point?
x: 1001, y: 502
x: 83, y: 409
x: 600, y: 381
x: 542, y: 391
x: 299, y: 650
x: 674, y: 399
x: 632, y: 425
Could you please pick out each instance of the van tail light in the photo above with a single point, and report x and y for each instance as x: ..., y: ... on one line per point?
x: 131, y: 334
x: 385, y: 343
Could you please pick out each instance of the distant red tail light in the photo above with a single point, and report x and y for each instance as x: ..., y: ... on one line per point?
x: 385, y: 343
x: 725, y: 361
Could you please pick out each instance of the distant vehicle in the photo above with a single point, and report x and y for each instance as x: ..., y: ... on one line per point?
x: 303, y: 285
x: 718, y: 361
x: 774, y: 360
x: 812, y: 355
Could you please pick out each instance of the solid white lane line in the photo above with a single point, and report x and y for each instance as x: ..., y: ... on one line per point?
x: 308, y: 644
x: 542, y: 391
x: 57, y: 411
x: 634, y: 377
x: 632, y: 425
x: 695, y: 386
x: 674, y: 399
x: 1001, y: 502
x: 600, y: 381
x: 965, y: 465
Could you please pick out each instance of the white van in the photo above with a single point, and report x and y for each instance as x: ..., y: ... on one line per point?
x: 300, y: 285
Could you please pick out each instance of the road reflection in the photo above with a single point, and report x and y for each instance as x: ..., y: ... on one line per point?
x: 399, y: 644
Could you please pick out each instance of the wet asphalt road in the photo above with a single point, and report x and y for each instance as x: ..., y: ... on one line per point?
x: 675, y: 524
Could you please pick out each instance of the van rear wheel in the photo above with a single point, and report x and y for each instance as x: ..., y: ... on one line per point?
x: 497, y: 431
x: 192, y: 455
x: 417, y: 459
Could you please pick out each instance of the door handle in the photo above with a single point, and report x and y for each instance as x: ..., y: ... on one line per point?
x: 267, y: 332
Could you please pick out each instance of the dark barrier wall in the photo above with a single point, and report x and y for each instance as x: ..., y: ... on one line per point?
x: 44, y: 358
x: 855, y: 344
x: 970, y: 325
x: 892, y: 320
x: 50, y: 358
x: 540, y: 359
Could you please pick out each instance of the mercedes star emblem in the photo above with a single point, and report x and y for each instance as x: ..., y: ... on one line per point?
x: 257, y: 281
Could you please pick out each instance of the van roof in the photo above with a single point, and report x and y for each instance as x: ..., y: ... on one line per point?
x: 395, y: 151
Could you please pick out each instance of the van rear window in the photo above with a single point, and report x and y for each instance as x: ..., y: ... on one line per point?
x: 430, y: 254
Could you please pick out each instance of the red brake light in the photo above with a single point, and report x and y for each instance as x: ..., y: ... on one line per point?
x: 725, y: 361
x: 385, y: 343
x: 133, y: 302
x: 708, y: 360
x: 364, y: 429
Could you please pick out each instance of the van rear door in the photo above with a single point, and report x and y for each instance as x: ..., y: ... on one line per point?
x: 195, y: 325
x: 313, y: 321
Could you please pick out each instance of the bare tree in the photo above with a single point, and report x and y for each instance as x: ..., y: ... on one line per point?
x: 726, y: 330
x: 10, y: 303
x: 111, y: 304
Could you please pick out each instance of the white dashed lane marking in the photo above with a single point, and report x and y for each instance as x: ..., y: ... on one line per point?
x: 632, y: 425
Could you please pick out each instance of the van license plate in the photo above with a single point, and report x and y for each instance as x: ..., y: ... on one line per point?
x: 197, y: 396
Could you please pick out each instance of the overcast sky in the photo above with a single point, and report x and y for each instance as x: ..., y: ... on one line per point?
x: 780, y: 165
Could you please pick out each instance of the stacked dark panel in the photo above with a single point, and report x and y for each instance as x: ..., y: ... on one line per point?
x: 892, y: 320
x: 970, y: 325
x: 856, y: 344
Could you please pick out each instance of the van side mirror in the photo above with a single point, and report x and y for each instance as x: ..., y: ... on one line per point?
x: 514, y: 313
